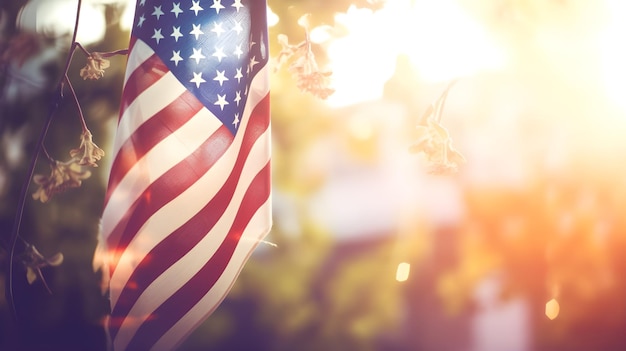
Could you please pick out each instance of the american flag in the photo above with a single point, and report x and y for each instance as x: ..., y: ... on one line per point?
x: 189, y: 191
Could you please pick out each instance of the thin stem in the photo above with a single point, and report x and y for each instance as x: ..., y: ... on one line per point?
x: 74, y: 43
x: 21, y: 203
x: 443, y: 98
x: 45, y: 152
x: 436, y: 109
x: 31, y: 169
x: 103, y: 54
x: 66, y: 79
x: 82, y: 48
x: 67, y: 63
x: 113, y: 53
x: 80, y: 110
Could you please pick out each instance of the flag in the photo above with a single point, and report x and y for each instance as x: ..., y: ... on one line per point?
x: 188, y: 197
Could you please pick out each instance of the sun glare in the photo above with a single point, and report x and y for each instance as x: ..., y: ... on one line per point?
x: 613, y: 52
x: 364, y: 59
x: 43, y: 17
x: 440, y: 38
x: 272, y: 18
x: 128, y: 16
x: 445, y: 43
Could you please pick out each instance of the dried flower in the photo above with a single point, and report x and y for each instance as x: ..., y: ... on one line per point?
x: 63, y: 175
x: 435, y: 142
x: 88, y: 152
x: 308, y: 76
x: 35, y: 261
x: 95, y: 67
x: 286, y: 52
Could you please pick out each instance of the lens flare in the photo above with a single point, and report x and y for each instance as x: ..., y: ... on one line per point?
x: 552, y: 309
x: 402, y: 273
x: 441, y: 39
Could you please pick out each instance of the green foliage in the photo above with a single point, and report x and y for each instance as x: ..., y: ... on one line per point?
x: 306, y: 295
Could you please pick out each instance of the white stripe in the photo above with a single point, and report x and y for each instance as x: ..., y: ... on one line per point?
x: 181, y: 271
x: 155, y: 163
x: 256, y: 230
x: 185, y: 206
x: 152, y: 100
x: 139, y: 53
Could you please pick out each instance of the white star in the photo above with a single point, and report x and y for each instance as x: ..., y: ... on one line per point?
x: 176, y: 57
x: 251, y: 44
x: 142, y: 2
x: 253, y: 62
x: 176, y: 33
x: 197, y: 55
x: 237, y: 4
x: 176, y: 9
x: 221, y: 101
x: 157, y: 35
x: 196, y: 7
x: 238, y: 76
x: 157, y: 12
x: 238, y: 28
x: 217, y: 5
x: 196, y: 31
x: 141, y: 20
x: 217, y: 28
x: 237, y: 97
x: 238, y: 51
x: 220, y: 77
x: 197, y: 78
x: 236, y: 121
x: 219, y: 53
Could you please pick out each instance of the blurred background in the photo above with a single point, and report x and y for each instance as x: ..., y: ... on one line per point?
x: 372, y: 252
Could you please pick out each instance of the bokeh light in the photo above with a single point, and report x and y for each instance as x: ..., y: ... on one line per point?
x: 43, y: 17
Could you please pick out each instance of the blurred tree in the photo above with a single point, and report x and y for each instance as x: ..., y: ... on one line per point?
x: 70, y: 317
x: 560, y: 236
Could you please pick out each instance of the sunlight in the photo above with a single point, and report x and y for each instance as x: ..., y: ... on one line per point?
x: 402, y: 273
x: 446, y: 43
x: 321, y: 34
x: 614, y: 53
x: 42, y: 16
x: 364, y: 60
x: 439, y: 37
x: 128, y: 16
x: 272, y: 18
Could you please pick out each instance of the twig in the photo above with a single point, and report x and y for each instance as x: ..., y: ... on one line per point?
x: 437, y: 107
x: 80, y: 110
x: 116, y: 52
x: 31, y: 169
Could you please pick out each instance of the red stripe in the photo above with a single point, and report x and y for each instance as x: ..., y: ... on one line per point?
x: 172, y: 310
x: 150, y: 133
x: 139, y: 80
x: 179, y: 242
x: 148, y: 73
x: 165, y: 188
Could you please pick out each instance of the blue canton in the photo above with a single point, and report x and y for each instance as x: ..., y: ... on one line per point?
x: 213, y: 47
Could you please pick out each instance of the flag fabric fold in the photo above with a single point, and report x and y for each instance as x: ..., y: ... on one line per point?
x: 189, y: 194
